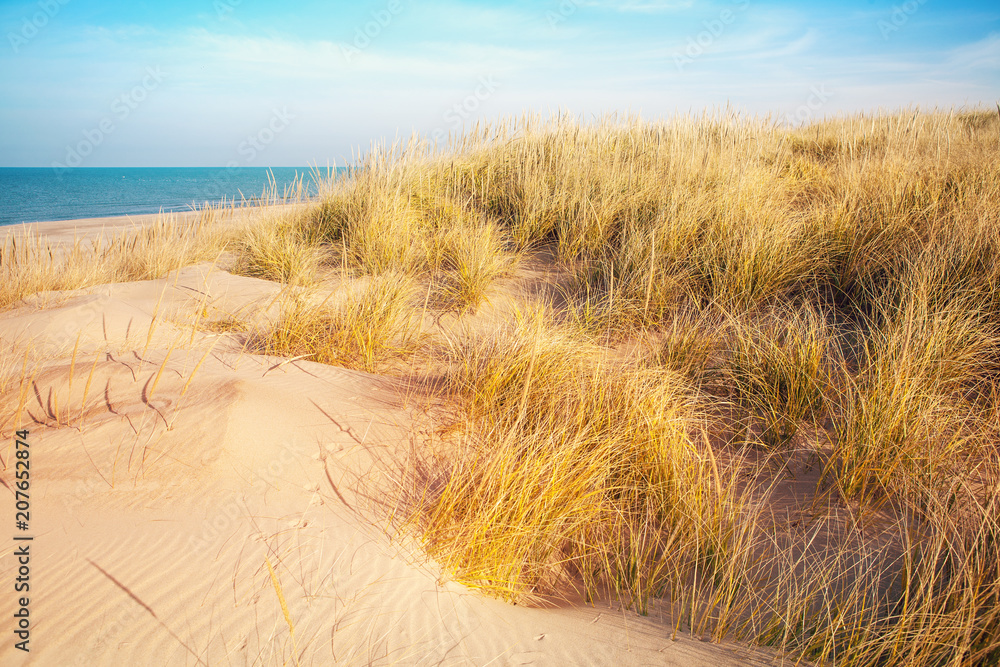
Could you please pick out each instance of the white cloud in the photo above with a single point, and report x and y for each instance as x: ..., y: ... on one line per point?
x: 794, y: 48
x: 325, y: 61
x: 647, y: 6
x: 982, y: 54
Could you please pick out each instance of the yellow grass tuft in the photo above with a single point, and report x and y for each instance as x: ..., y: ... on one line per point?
x: 369, y: 328
x: 276, y: 249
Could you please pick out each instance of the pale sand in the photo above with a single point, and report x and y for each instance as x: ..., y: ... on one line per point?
x: 60, y: 231
x: 66, y: 231
x: 154, y: 523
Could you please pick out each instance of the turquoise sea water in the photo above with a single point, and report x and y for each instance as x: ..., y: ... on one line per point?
x: 31, y: 195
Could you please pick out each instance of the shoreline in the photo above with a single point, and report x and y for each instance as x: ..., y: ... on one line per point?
x: 70, y: 228
x: 77, y: 229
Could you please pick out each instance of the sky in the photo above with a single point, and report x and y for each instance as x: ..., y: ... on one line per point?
x: 90, y: 83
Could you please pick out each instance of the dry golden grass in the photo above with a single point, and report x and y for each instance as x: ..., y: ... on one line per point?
x: 369, y: 328
x: 825, y: 294
x: 275, y: 248
x: 472, y: 260
x: 765, y: 401
x: 780, y: 369
x: 30, y: 264
x: 18, y: 368
x: 571, y: 466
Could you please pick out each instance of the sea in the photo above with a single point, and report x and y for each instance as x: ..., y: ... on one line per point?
x: 37, y: 194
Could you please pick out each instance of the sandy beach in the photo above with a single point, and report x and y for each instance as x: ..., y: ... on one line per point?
x: 195, y: 504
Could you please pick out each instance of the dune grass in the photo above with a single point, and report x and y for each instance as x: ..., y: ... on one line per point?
x: 30, y: 264
x: 572, y: 467
x: 763, y: 401
x: 823, y: 295
x: 370, y: 327
x: 780, y: 368
x: 277, y: 249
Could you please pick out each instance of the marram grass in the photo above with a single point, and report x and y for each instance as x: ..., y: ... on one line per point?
x: 762, y: 398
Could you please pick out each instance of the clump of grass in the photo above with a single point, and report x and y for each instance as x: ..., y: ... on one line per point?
x: 836, y: 276
x: 29, y: 264
x: 905, y: 420
x: 275, y: 249
x: 18, y: 368
x: 168, y: 244
x: 780, y: 369
x: 571, y: 471
x: 228, y: 324
x: 687, y: 342
x: 473, y: 258
x: 366, y: 330
x: 628, y: 286
x: 755, y: 253
x: 370, y: 217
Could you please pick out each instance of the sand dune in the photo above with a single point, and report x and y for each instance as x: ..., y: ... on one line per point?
x: 172, y: 473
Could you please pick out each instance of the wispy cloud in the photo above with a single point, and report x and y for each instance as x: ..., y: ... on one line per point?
x: 645, y: 6
x: 981, y: 54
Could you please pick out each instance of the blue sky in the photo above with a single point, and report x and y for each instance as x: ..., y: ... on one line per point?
x: 254, y: 83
